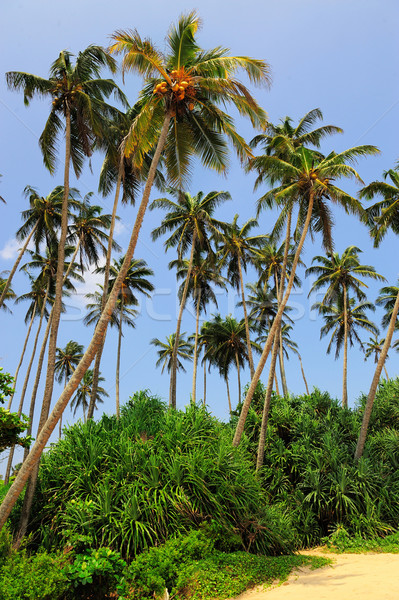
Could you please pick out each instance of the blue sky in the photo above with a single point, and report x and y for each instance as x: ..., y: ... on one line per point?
x: 337, y: 55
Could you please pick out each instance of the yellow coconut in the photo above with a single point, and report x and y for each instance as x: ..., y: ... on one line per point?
x: 184, y: 84
x: 175, y: 87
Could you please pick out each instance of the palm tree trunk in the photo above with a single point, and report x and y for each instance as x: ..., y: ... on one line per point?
x: 280, y: 337
x: 15, y: 267
x: 23, y: 354
x: 118, y: 360
x: 48, y: 427
x: 204, y: 382
x: 172, y: 399
x: 239, y: 378
x: 97, y: 363
x: 303, y: 374
x: 266, y: 406
x: 276, y: 382
x: 373, y: 388
x: 196, y: 347
x: 345, y: 368
x: 386, y: 372
x: 244, y: 306
x: 228, y: 393
x: 60, y: 429
x: 274, y: 327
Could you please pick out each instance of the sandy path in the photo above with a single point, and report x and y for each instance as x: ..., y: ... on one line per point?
x: 351, y: 577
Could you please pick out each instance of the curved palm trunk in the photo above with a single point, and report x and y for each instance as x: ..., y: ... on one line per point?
x: 97, y: 362
x: 386, y: 372
x: 238, y: 377
x: 244, y: 306
x: 266, y: 406
x: 204, y: 382
x: 60, y: 427
x: 172, y: 399
x: 374, y: 384
x: 345, y: 367
x: 15, y: 267
x: 118, y: 361
x: 281, y: 363
x: 196, y: 348
x: 228, y: 393
x: 276, y: 323
x: 48, y: 427
x: 22, y: 355
x: 303, y: 374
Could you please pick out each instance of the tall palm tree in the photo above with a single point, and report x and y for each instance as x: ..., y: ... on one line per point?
x: 166, y: 353
x: 374, y: 348
x: 205, y: 274
x: 197, y: 126
x: 66, y: 361
x: 307, y: 177
x: 191, y: 221
x: 83, y: 393
x: 237, y: 250
x: 9, y: 294
x: 341, y: 275
x: 343, y: 319
x: 290, y: 345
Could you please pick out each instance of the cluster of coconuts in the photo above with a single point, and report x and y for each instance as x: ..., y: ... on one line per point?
x: 178, y: 88
x: 59, y: 87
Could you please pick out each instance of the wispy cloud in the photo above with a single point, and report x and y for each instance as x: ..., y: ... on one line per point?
x: 10, y: 249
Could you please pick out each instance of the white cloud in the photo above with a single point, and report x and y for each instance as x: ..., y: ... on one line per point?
x: 120, y: 228
x: 10, y: 249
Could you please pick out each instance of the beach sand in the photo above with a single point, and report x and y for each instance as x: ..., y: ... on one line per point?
x: 351, y: 577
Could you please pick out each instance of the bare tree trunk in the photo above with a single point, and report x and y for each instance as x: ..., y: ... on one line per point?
x: 303, y: 374
x: 279, y: 289
x: 238, y: 377
x: 60, y: 429
x: 48, y: 427
x: 266, y: 406
x: 15, y: 267
x: 196, y: 347
x: 172, y: 400
x: 345, y: 368
x: 276, y: 383
x: 228, y: 393
x: 204, y: 382
x: 118, y: 360
x: 274, y: 327
x: 386, y: 372
x: 22, y: 355
x: 244, y: 306
x: 97, y: 362
x: 374, y: 384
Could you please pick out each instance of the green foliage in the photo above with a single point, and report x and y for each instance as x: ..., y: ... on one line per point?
x: 95, y: 573
x: 11, y: 425
x: 154, y: 474
x: 37, y: 577
x: 341, y: 541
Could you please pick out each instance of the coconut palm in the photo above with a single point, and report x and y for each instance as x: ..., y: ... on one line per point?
x: 167, y: 349
x: 307, y: 178
x: 83, y: 394
x: 200, y: 131
x: 343, y: 319
x: 339, y: 275
x: 8, y: 295
x: 191, y: 221
x: 237, y: 250
x: 66, y: 361
x: 205, y: 274
x: 374, y: 348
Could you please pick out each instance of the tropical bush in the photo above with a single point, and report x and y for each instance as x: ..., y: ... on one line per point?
x: 154, y: 474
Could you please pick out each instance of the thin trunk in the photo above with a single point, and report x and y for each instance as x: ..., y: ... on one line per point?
x: 303, y: 374
x: 244, y: 306
x: 228, y: 393
x: 345, y: 368
x: 386, y: 372
x: 238, y: 377
x: 97, y: 362
x: 266, y: 406
x: 60, y: 429
x: 118, y: 360
x: 15, y: 267
x: 280, y: 338
x: 172, y: 399
x: 48, y: 427
x: 276, y: 323
x: 196, y: 347
x: 276, y: 383
x: 374, y: 384
x: 204, y: 382
x: 22, y: 355
x: 84, y: 413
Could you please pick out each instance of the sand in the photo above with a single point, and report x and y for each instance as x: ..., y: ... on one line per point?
x: 351, y: 577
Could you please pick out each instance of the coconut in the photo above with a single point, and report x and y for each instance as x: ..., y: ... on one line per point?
x: 191, y: 106
x: 184, y: 84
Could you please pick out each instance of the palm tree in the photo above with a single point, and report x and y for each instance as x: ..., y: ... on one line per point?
x: 289, y: 344
x: 237, y: 249
x: 343, y: 319
x: 340, y: 275
x: 166, y: 353
x: 205, y: 273
x: 374, y: 348
x: 83, y: 393
x: 197, y: 126
x: 307, y: 178
x: 66, y: 361
x: 8, y: 295
x: 191, y: 221
x: 380, y: 217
